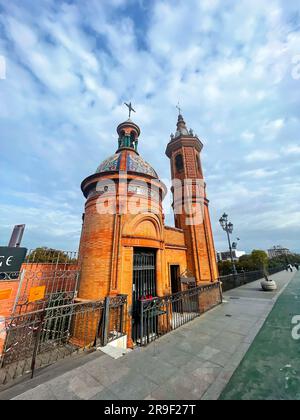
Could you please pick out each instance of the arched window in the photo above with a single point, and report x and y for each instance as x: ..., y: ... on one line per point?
x: 121, y: 139
x: 179, y: 163
x: 132, y: 138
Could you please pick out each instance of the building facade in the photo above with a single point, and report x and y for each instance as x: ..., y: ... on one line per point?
x: 125, y: 247
x: 278, y: 251
x: 225, y: 255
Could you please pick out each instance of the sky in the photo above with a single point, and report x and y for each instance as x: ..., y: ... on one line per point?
x: 66, y: 67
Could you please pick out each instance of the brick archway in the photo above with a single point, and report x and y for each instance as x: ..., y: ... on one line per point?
x: 144, y: 227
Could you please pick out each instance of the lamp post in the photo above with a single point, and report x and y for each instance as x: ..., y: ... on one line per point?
x: 228, y: 228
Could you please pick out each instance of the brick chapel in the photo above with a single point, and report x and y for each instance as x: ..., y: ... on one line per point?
x: 125, y: 246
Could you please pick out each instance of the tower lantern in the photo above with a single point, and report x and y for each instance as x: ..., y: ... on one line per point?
x: 129, y: 134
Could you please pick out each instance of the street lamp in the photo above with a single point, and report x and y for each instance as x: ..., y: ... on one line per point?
x: 228, y: 228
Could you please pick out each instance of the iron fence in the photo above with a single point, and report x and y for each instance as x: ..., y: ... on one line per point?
x: 232, y: 281
x: 275, y: 270
x: 160, y: 315
x: 40, y: 338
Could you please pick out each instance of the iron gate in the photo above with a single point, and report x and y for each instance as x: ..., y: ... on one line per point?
x: 40, y: 338
x: 161, y: 315
x: 144, y: 285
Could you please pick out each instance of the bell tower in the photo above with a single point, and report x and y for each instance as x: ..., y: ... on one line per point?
x: 190, y: 202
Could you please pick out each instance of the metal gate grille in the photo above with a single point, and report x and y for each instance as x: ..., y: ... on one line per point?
x: 40, y: 338
x: 144, y: 284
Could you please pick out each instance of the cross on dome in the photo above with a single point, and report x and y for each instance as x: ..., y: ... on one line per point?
x: 130, y: 108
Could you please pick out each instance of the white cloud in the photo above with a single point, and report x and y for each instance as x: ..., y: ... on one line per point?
x: 21, y: 34
x: 259, y: 173
x: 292, y: 149
x: 262, y: 155
x: 70, y: 70
x: 248, y: 136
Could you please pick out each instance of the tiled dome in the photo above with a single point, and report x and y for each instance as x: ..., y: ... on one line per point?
x: 110, y: 165
x: 134, y: 163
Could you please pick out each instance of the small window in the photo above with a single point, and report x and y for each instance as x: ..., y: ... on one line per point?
x: 179, y: 163
x: 132, y: 138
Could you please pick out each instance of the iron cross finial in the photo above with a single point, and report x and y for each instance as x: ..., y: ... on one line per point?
x: 129, y: 106
x: 178, y: 107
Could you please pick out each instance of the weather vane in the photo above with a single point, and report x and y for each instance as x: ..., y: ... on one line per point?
x: 129, y: 106
x: 178, y: 107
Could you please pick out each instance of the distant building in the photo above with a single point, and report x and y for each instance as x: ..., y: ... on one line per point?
x: 278, y: 251
x: 225, y: 256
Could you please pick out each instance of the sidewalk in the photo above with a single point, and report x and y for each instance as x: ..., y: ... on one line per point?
x: 194, y: 362
x: 271, y: 368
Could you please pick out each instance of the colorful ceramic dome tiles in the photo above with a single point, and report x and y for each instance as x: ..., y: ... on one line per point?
x: 109, y: 165
x: 137, y: 164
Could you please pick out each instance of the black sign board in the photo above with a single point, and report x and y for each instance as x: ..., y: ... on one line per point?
x: 11, y: 259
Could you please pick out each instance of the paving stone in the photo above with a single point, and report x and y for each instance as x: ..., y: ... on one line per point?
x: 106, y: 394
x: 153, y: 368
x: 41, y: 392
x: 133, y: 386
x: 107, y: 372
x: 175, y: 357
x: 78, y: 384
x: 181, y: 388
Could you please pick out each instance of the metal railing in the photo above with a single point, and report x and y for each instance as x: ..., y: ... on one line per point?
x: 232, y: 281
x: 276, y: 270
x: 161, y: 315
x: 40, y: 338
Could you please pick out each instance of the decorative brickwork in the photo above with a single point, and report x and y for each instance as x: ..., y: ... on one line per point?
x: 197, y: 230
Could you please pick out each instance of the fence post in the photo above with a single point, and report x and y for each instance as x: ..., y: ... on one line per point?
x: 221, y: 292
x: 97, y: 336
x: 22, y: 276
x: 123, y: 314
x: 105, y: 321
x: 142, y: 323
x: 37, y: 342
x: 236, y: 280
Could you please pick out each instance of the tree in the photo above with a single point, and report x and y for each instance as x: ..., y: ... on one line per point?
x: 284, y: 260
x: 49, y: 255
x: 246, y: 263
x: 225, y: 268
x: 260, y: 259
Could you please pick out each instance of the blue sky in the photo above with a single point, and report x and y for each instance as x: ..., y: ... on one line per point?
x: 233, y: 65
